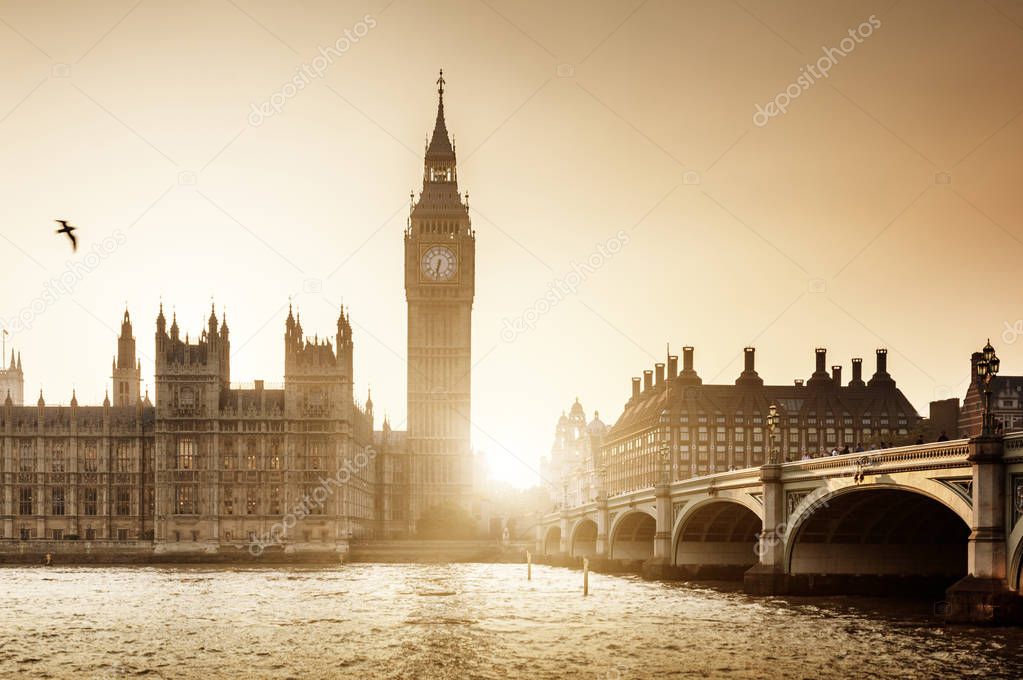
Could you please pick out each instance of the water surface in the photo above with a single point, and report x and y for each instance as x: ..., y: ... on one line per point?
x: 461, y: 621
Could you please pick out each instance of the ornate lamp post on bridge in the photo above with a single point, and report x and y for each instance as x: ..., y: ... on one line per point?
x: 772, y: 429
x: 987, y: 368
x: 987, y: 593
x: 665, y: 462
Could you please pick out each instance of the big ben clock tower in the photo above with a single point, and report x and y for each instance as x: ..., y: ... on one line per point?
x: 440, y: 272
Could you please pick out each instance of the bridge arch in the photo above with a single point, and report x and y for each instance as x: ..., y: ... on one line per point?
x: 1015, y: 547
x: 552, y: 540
x: 716, y: 537
x: 583, y: 541
x: 632, y: 535
x: 852, y: 535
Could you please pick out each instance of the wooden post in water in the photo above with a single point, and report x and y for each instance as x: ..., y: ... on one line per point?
x: 529, y: 566
x: 586, y: 576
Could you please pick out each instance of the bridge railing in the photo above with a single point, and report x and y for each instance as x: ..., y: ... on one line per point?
x: 949, y: 453
x: 952, y: 453
x: 1014, y: 446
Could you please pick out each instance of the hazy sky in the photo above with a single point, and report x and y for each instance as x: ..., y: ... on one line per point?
x: 576, y: 124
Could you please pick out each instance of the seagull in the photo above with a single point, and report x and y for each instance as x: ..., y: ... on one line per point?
x: 67, y: 229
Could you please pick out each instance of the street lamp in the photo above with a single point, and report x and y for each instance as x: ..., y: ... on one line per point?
x: 987, y: 367
x: 665, y: 462
x: 772, y: 427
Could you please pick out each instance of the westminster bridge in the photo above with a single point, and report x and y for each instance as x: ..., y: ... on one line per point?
x: 926, y: 515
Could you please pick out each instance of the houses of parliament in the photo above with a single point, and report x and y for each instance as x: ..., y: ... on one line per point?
x: 204, y: 466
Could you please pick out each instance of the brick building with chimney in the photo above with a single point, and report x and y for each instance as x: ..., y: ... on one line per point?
x: 704, y: 429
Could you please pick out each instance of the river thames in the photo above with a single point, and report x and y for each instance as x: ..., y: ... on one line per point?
x: 462, y: 621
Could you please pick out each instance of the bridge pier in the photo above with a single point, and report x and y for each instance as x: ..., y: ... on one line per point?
x: 984, y: 595
x: 564, y: 545
x: 660, y: 565
x: 603, y: 522
x: 769, y: 577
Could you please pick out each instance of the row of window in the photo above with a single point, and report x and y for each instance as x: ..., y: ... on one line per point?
x: 90, y: 534
x: 88, y: 460
x: 794, y: 421
x: 249, y: 502
x: 228, y: 536
x: 58, y: 504
x: 187, y: 456
x: 652, y: 440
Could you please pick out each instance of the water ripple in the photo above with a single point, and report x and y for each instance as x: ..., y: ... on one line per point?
x: 462, y: 621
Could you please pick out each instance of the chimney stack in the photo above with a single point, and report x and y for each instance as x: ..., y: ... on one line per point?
x: 648, y: 380
x: 974, y: 360
x: 881, y: 374
x: 836, y: 375
x: 635, y: 387
x: 659, y: 372
x: 687, y: 359
x: 672, y: 367
x: 799, y: 382
x: 749, y: 372
x: 820, y: 374
x: 857, y: 376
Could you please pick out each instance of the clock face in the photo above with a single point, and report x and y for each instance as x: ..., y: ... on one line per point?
x: 439, y: 263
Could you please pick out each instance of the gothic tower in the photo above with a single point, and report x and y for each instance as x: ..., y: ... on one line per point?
x: 317, y: 381
x: 127, y: 370
x: 12, y: 381
x: 440, y: 272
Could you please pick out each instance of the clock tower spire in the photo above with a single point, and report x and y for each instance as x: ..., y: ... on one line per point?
x: 440, y: 274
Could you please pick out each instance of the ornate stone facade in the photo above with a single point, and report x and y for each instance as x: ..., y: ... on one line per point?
x: 210, y: 467
x: 440, y: 281
x: 571, y: 473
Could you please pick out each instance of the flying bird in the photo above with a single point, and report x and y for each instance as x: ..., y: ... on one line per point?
x: 67, y: 229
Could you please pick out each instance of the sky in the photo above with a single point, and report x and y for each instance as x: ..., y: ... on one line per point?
x: 643, y: 175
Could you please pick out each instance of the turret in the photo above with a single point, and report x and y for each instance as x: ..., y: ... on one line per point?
x: 212, y: 322
x: 345, y: 351
x: 127, y: 371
